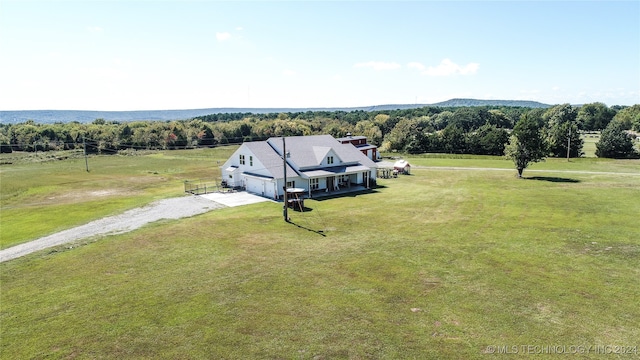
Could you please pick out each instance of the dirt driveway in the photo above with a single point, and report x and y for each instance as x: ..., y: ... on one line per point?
x: 173, y: 208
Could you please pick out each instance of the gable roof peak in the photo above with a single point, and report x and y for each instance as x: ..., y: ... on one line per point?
x: 321, y: 152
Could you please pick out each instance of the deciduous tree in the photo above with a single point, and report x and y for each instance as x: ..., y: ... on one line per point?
x: 594, y: 116
x: 526, y: 144
x: 487, y: 140
x: 615, y: 142
x: 453, y: 139
x: 562, y: 131
x: 629, y: 117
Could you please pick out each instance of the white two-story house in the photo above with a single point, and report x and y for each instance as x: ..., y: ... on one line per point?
x: 319, y: 164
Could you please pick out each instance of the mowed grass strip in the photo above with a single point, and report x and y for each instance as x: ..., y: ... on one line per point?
x: 440, y: 264
x: 583, y: 164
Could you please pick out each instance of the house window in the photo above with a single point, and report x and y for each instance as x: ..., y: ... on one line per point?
x: 314, y: 184
x: 241, y: 159
x: 330, y: 160
x: 250, y: 160
x: 291, y: 184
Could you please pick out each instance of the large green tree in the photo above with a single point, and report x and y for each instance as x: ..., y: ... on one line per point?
x: 441, y: 120
x: 487, y: 140
x: 370, y: 130
x: 629, y: 117
x: 401, y: 135
x: 615, y: 142
x: 562, y: 131
x: 526, y: 143
x: 594, y: 116
x: 470, y: 118
x: 453, y: 139
x: 5, y: 144
x: 562, y: 137
x: 500, y: 119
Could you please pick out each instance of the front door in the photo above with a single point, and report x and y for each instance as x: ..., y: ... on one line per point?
x: 330, y: 182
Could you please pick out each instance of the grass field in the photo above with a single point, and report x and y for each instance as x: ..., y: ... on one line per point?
x: 439, y: 264
x: 589, y: 145
x: 35, y: 187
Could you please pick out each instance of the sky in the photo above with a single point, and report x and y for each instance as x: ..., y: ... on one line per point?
x: 159, y: 55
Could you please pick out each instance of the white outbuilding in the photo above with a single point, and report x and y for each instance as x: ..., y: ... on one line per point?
x: 402, y: 166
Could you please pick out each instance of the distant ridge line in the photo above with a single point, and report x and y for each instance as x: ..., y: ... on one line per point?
x: 86, y: 116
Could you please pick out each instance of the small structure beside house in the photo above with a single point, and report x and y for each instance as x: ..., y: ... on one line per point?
x: 360, y: 142
x: 317, y: 164
x: 402, y: 167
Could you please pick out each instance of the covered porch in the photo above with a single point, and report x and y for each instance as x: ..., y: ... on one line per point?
x: 337, y: 193
x: 337, y: 180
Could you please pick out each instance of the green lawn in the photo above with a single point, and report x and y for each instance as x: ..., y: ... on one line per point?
x: 439, y: 264
x: 496, y: 162
x: 589, y: 146
x: 40, y: 195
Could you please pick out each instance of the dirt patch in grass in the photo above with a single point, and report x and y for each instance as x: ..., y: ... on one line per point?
x: 73, y: 197
x: 80, y: 196
x: 92, y: 194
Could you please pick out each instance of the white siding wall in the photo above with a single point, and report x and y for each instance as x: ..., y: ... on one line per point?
x: 299, y: 183
x: 232, y: 178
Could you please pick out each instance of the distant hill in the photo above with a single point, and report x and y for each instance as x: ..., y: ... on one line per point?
x: 86, y: 116
x: 475, y: 102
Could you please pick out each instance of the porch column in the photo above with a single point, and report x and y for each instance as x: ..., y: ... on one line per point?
x: 275, y: 189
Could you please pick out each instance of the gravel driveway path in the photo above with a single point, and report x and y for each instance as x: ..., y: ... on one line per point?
x: 173, y: 208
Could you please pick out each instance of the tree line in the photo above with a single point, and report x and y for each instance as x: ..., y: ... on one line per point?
x: 536, y: 136
x: 464, y: 130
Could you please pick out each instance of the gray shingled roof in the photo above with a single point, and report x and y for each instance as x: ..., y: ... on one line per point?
x: 308, y: 152
x: 269, y: 158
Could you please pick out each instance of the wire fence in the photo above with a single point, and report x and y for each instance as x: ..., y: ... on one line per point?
x: 199, y: 187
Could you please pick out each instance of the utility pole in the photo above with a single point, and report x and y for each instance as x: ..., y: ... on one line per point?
x: 284, y: 165
x: 569, y: 142
x: 86, y: 161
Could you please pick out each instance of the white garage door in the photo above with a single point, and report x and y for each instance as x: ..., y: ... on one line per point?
x: 256, y: 186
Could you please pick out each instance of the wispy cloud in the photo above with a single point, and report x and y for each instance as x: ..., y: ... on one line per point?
x: 288, y: 72
x: 223, y: 36
x: 445, y: 68
x: 378, y: 65
x: 94, y: 29
x: 416, y: 65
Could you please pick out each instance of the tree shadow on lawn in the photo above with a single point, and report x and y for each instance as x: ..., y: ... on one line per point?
x: 553, y: 179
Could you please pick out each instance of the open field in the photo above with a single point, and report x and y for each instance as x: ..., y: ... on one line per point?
x: 66, y: 195
x: 550, y: 164
x: 589, y: 146
x: 440, y: 264
x: 36, y: 187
